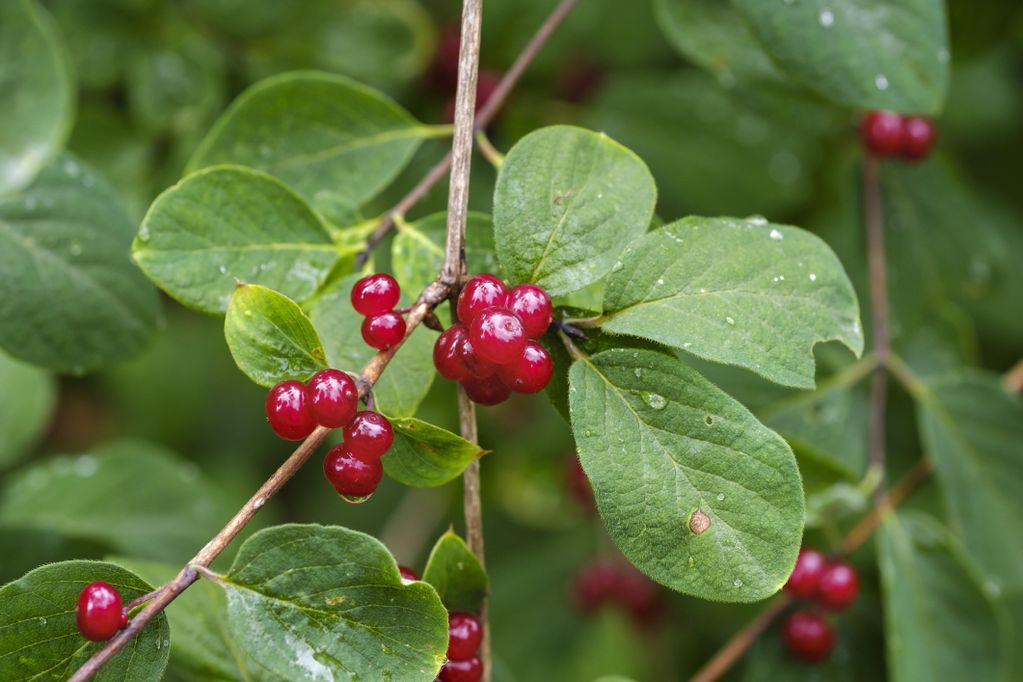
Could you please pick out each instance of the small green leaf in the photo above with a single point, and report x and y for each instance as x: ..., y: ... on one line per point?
x: 567, y: 203
x: 39, y: 638
x: 740, y: 292
x: 658, y: 442
x: 319, y: 602
x: 270, y: 338
x: 456, y: 574
x: 230, y: 224
x: 424, y: 455
x: 26, y: 403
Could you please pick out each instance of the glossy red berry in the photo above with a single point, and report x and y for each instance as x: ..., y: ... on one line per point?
x: 98, y: 613
x: 350, y: 475
x: 287, y: 410
x: 478, y: 294
x: 531, y: 372
x: 881, y: 132
x: 470, y: 670
x: 447, y: 353
x: 486, y: 391
x: 838, y: 586
x: 369, y: 435
x: 375, y: 294
x: 408, y: 574
x: 533, y: 307
x: 808, y: 636
x: 333, y: 397
x: 383, y: 331
x: 465, y: 633
x: 477, y: 366
x: 497, y: 336
x: 917, y: 137
x: 805, y: 577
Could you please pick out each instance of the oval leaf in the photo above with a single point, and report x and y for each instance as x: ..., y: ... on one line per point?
x: 659, y: 442
x: 424, y: 455
x: 456, y: 574
x: 26, y: 403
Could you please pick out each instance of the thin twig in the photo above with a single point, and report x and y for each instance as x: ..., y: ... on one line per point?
x: 868, y: 524
x: 878, y: 271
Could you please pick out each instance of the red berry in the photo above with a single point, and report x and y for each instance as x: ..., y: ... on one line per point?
x: 287, y: 410
x: 917, y: 137
x: 477, y: 366
x: 375, y: 294
x: 470, y: 670
x: 808, y: 636
x: 638, y: 595
x: 486, y: 83
x: 383, y: 331
x: 478, y: 294
x: 350, y: 475
x: 408, y: 574
x: 486, y: 391
x: 838, y: 586
x: 443, y: 74
x: 881, y: 132
x: 333, y: 397
x: 594, y: 586
x: 99, y: 615
x: 497, y: 336
x: 806, y: 575
x: 447, y: 353
x: 465, y: 633
x: 531, y: 372
x: 533, y: 306
x: 369, y: 435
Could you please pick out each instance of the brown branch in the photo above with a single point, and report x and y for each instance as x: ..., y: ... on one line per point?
x: 740, y: 642
x: 878, y: 271
x: 862, y: 531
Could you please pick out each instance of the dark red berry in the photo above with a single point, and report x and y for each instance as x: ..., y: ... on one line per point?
x: 383, y: 331
x: 465, y: 633
x: 486, y: 391
x: 594, y: 586
x: 350, y: 475
x: 477, y: 366
x: 917, y: 137
x: 639, y: 596
x: 578, y: 484
x: 447, y: 356
x: 408, y: 574
x: 805, y: 577
x: 478, y: 294
x: 470, y: 670
x: 808, y: 636
x: 333, y: 397
x: 497, y: 336
x: 609, y: 582
x: 881, y: 132
x: 580, y: 79
x: 287, y: 410
x: 531, y: 372
x: 369, y: 435
x: 375, y: 294
x: 838, y: 586
x: 486, y: 84
x: 98, y: 614
x: 443, y: 73
x: 533, y: 306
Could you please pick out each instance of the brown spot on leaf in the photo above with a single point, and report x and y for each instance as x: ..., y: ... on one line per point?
x: 698, y: 522
x: 334, y: 601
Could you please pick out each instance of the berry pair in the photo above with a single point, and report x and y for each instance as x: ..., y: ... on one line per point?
x: 886, y: 133
x: 833, y: 585
x: 354, y: 467
x: 99, y: 612
x: 330, y: 398
x: 606, y: 583
x: 465, y: 634
x: 374, y: 297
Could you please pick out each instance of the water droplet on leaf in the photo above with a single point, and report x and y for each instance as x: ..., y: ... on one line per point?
x: 654, y: 400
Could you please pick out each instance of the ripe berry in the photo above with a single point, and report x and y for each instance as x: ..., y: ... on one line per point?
x: 98, y: 614
x: 477, y: 366
x: 465, y: 633
x: 470, y: 670
x: 806, y: 575
x: 533, y: 306
x: 350, y: 475
x: 486, y: 391
x: 478, y: 294
x: 531, y: 372
x: 407, y: 574
x: 917, y: 137
x: 838, y: 586
x: 881, y: 132
x: 287, y: 410
x: 375, y: 294
x: 605, y: 582
x: 497, y: 336
x: 369, y: 435
x: 447, y: 353
x: 333, y: 397
x: 383, y: 331
x: 808, y: 636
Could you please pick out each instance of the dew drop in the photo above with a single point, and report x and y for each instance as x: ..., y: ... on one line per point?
x: 660, y: 280
x: 737, y: 582
x: 776, y: 235
x: 654, y: 400
x: 222, y: 269
x: 354, y: 499
x: 75, y: 249
x: 720, y: 497
x: 144, y: 233
x: 826, y: 18
x: 757, y: 220
x: 617, y: 266
x: 881, y: 81
x: 638, y: 372
x: 992, y: 588
x: 730, y: 320
x: 813, y: 277
x: 692, y: 562
x: 42, y: 621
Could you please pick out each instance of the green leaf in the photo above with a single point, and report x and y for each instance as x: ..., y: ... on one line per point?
x: 940, y: 625
x: 26, y: 404
x: 659, y: 442
x: 424, y: 455
x: 408, y: 376
x: 567, y: 202
x: 322, y: 602
x: 36, y: 93
x: 39, y: 638
x: 70, y: 298
x: 270, y: 338
x: 230, y: 224
x: 740, y: 292
x: 134, y: 496
x: 456, y: 574
x: 867, y: 54
x: 318, y: 133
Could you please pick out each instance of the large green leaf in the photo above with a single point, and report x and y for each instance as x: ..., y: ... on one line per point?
x: 230, y: 224
x: 659, y: 442
x: 36, y: 93
x: 867, y: 54
x: 741, y: 292
x: 567, y: 202
x: 26, y: 403
x: 424, y: 455
x: 456, y: 574
x: 322, y: 602
x: 70, y: 298
x: 39, y: 638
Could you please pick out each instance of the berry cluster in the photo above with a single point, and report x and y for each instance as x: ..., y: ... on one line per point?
x: 100, y: 613
x: 492, y: 349
x: 832, y: 585
x: 354, y: 467
x: 374, y: 297
x: 616, y: 583
x: 886, y: 133
x: 465, y: 634
x: 330, y: 398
